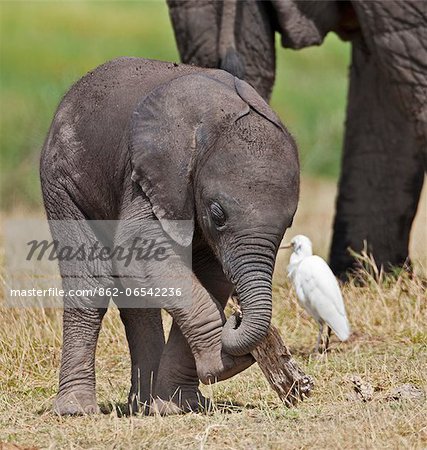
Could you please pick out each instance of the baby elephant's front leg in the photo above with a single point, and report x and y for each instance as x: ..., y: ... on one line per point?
x: 194, y: 352
x: 177, y: 385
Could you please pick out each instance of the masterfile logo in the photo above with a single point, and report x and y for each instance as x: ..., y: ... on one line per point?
x: 86, y: 263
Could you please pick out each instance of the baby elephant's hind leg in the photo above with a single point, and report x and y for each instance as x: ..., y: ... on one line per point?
x: 77, y: 375
x: 83, y: 313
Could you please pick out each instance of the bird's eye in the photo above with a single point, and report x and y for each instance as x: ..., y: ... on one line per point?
x: 218, y: 215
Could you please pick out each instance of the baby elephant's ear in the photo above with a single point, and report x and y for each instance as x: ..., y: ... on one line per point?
x: 163, y: 144
x: 256, y: 102
x: 160, y: 145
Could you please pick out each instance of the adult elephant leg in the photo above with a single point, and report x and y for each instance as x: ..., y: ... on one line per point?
x: 395, y: 32
x: 144, y: 333
x: 198, y: 25
x: 382, y: 170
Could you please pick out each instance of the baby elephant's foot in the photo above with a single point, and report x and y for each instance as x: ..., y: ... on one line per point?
x: 136, y: 405
x: 75, y: 403
x: 181, y: 403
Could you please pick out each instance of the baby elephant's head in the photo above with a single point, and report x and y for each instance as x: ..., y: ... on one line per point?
x: 207, y: 148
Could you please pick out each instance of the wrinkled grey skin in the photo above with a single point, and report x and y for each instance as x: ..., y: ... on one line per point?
x: 138, y: 139
x: 385, y: 145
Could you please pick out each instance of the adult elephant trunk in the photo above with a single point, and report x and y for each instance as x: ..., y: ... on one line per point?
x: 252, y: 279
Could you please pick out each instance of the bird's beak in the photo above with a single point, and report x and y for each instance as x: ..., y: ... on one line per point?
x: 288, y: 245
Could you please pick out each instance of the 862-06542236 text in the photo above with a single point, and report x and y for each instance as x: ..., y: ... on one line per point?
x: 110, y: 292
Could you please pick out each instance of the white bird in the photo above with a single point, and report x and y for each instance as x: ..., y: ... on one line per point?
x: 317, y: 289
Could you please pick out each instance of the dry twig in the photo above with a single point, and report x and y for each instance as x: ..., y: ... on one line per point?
x: 282, y: 372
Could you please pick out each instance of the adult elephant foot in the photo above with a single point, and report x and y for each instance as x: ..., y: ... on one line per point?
x: 75, y: 403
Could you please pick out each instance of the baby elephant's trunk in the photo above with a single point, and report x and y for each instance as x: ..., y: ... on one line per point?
x: 253, y: 281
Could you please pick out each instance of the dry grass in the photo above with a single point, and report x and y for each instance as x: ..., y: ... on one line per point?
x: 387, y: 348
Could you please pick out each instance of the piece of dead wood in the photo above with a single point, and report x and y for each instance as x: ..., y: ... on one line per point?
x: 363, y: 390
x: 282, y: 372
x: 406, y: 392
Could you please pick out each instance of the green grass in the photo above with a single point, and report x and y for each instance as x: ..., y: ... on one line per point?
x: 310, y: 97
x: 46, y: 46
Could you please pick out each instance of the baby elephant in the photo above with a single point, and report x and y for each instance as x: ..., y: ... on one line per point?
x: 139, y: 139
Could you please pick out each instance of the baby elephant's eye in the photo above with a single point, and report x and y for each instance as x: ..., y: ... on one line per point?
x: 218, y: 215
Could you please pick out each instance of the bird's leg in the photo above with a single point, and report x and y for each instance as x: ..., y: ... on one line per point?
x: 328, y: 336
x: 316, y: 350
